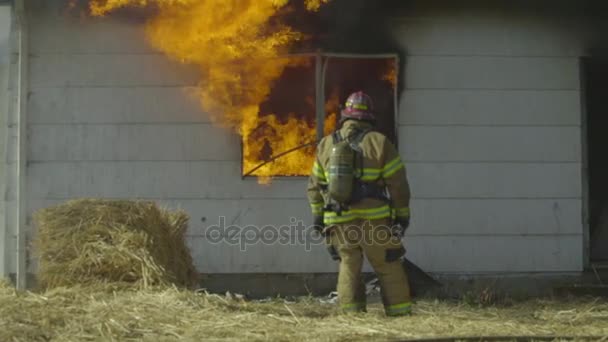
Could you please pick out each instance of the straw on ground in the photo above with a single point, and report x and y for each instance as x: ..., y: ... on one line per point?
x: 112, y: 312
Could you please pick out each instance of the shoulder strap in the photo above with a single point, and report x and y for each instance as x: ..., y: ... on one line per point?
x: 337, y: 137
x: 358, y: 138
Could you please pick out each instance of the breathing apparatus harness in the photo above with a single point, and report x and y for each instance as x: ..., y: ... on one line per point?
x: 345, y: 186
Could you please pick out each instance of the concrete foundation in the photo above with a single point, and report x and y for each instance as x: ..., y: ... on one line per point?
x: 463, y: 287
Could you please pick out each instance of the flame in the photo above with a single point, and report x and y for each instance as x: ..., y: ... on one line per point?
x: 391, y: 73
x: 236, y: 45
x: 315, y: 5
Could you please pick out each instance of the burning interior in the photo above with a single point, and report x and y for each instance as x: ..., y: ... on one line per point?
x: 304, y: 104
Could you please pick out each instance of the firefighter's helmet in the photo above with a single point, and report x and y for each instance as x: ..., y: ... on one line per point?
x: 359, y: 106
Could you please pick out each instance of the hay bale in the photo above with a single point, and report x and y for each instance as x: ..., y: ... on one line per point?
x: 93, y: 241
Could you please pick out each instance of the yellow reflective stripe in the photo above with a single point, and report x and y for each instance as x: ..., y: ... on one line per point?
x: 371, y: 174
x: 378, y: 216
x: 317, y: 171
x: 371, y: 171
x: 392, y: 167
x: 320, y: 176
x: 362, y: 211
x: 403, y: 211
x: 390, y: 173
x: 399, y: 309
x: 392, y: 163
x: 401, y: 306
x: 366, y: 214
x: 339, y: 219
x: 359, y: 106
x: 353, y: 307
x: 317, y: 208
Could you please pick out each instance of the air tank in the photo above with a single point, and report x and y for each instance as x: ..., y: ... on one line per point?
x: 341, y: 172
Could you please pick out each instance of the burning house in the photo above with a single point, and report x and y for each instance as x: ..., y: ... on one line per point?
x: 215, y: 106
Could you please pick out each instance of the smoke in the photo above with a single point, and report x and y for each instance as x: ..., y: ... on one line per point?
x: 355, y: 27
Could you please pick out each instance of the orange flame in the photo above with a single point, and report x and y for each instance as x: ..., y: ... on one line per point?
x: 237, y: 50
x: 314, y: 5
x: 391, y: 73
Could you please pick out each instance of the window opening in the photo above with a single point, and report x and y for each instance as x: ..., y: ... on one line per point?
x: 304, y: 105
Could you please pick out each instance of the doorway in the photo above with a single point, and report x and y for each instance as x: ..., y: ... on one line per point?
x: 595, y: 85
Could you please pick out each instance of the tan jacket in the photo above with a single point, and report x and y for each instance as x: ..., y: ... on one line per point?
x: 381, y: 164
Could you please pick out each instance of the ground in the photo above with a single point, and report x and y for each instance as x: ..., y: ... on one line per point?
x: 119, y: 313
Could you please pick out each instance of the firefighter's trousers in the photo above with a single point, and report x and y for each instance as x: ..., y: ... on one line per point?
x: 371, y: 239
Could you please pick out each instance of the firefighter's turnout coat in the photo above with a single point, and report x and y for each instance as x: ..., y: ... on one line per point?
x: 381, y: 165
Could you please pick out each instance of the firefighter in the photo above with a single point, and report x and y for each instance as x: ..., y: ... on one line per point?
x: 359, y: 195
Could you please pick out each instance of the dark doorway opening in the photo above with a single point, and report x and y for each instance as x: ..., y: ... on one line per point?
x: 596, y: 99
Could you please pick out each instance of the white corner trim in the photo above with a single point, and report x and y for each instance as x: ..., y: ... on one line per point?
x: 22, y: 90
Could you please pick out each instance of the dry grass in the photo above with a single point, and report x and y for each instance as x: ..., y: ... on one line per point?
x: 112, y: 313
x: 96, y: 241
x: 110, y: 269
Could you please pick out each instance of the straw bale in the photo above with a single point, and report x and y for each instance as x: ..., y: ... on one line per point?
x: 92, y: 241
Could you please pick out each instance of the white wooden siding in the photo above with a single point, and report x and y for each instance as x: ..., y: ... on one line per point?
x: 490, y: 124
x: 115, y: 105
x: 489, y: 127
x: 452, y: 107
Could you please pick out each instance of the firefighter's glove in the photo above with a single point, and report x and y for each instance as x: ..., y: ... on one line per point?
x: 400, y: 226
x: 319, y: 225
x: 404, y: 222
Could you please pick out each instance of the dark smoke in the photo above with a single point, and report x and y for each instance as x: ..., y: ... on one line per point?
x: 353, y: 27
